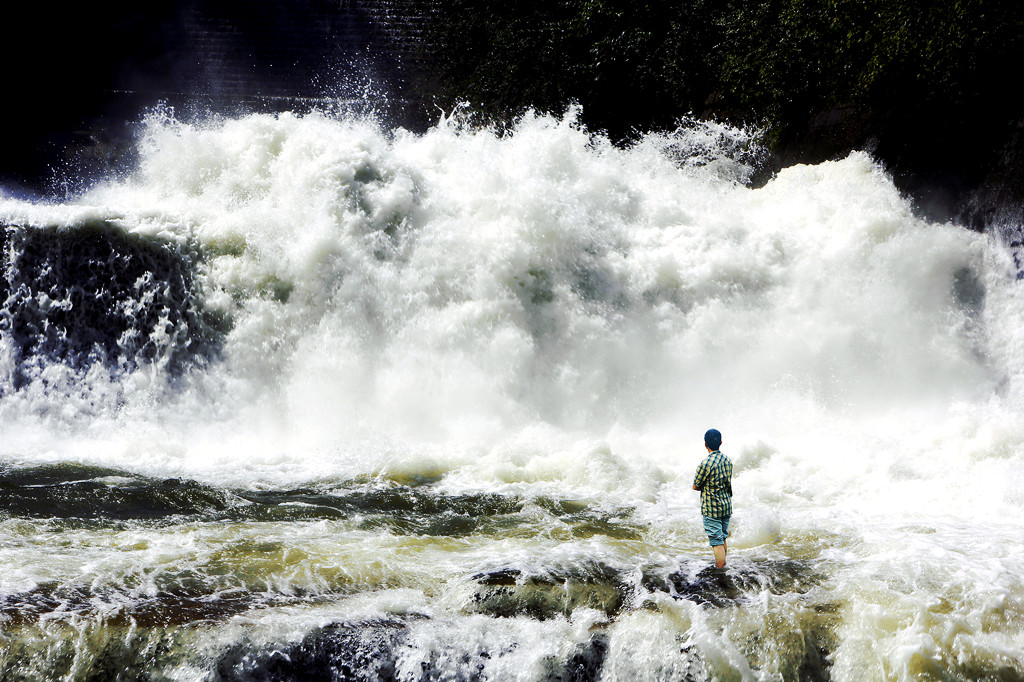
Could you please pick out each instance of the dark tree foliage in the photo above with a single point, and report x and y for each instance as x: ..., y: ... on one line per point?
x: 781, y: 62
x: 929, y: 86
x: 627, y: 64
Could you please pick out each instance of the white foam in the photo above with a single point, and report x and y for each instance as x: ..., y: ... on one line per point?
x: 494, y: 306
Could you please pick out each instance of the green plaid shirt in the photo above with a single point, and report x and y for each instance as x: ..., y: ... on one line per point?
x: 714, y: 481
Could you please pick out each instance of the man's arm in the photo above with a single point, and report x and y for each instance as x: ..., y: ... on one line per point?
x: 699, y: 477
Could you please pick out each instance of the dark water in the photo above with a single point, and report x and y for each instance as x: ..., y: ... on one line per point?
x: 136, y: 624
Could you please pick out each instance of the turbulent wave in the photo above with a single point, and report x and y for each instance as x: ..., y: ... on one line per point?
x: 427, y: 406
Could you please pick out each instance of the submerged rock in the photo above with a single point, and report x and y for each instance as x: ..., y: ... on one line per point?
x: 178, y: 605
x: 375, y: 649
x: 93, y: 293
x: 587, y: 661
x: 341, y: 651
x: 75, y: 491
x: 509, y: 592
x: 731, y: 585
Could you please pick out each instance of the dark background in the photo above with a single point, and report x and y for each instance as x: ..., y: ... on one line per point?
x: 79, y: 77
x: 931, y: 89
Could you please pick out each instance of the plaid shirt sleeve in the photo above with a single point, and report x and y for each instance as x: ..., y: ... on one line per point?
x: 701, y: 475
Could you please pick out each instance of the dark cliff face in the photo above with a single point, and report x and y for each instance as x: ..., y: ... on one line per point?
x: 926, y: 88
x: 96, y: 295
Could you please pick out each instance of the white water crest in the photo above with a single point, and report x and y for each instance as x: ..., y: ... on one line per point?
x: 543, y: 313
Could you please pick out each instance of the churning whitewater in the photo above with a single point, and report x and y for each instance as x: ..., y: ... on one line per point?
x: 300, y: 397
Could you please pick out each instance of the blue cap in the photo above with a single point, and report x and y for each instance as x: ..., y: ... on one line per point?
x: 713, y: 439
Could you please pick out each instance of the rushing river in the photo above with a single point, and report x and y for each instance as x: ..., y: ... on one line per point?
x: 301, y: 398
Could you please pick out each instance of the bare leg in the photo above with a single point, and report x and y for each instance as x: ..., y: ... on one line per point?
x: 719, y: 551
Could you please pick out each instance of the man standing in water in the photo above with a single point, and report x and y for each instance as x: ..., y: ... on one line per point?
x: 714, y: 481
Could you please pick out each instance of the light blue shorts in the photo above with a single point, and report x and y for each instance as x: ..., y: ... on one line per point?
x: 717, y: 530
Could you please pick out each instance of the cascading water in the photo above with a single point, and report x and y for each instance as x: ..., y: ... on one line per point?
x: 302, y: 398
